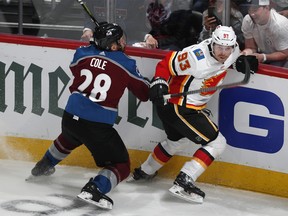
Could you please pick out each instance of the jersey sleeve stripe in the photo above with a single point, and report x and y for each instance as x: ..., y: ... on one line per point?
x: 172, y: 69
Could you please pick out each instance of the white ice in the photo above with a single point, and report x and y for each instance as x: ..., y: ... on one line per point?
x: 56, y: 196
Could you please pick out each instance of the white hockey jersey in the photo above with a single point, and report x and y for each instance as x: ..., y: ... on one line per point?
x: 193, y: 68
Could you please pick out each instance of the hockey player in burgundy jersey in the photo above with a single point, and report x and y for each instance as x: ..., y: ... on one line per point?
x: 185, y: 118
x: 101, y: 73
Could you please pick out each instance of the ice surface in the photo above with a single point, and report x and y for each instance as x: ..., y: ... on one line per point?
x: 56, y: 196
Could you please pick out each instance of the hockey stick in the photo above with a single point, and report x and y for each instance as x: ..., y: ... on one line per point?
x: 88, y: 12
x: 214, y: 88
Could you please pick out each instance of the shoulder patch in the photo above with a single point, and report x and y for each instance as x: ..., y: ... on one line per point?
x: 199, y: 54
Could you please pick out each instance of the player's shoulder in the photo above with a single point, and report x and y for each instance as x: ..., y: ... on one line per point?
x: 85, y: 50
x: 122, y: 60
x: 199, y: 58
x: 85, y: 47
x: 120, y: 56
x: 200, y: 52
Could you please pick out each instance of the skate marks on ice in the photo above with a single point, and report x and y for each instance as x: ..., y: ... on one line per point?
x: 59, y: 204
x: 57, y: 196
x: 45, y: 195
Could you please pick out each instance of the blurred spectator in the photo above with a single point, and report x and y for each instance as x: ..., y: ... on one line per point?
x: 199, y: 5
x: 172, y: 31
x: 281, y: 6
x: 53, y: 16
x: 266, y: 34
x: 129, y: 14
x: 213, y: 17
x: 182, y: 4
x: 284, y: 13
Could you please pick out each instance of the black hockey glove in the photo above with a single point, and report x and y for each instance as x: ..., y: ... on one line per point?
x: 252, y: 61
x: 158, y: 88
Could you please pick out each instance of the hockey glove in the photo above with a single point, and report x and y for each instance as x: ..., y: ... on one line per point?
x: 252, y: 61
x: 158, y: 88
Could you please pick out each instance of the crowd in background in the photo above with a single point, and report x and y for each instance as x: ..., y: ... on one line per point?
x: 176, y: 24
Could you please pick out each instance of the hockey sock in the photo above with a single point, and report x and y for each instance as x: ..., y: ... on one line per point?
x: 151, y: 165
x: 59, y: 149
x: 106, y: 180
x: 53, y: 160
x: 199, y: 163
x: 103, y: 183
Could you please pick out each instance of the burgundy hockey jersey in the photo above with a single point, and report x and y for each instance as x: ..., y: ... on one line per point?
x: 100, y: 79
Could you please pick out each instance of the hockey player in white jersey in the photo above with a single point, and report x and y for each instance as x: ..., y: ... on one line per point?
x: 197, y: 66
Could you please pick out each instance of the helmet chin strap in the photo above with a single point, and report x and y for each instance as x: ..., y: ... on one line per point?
x: 211, y: 50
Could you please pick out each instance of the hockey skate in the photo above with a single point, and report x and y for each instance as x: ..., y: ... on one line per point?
x: 139, y: 174
x: 43, y: 167
x: 185, y: 189
x: 91, y: 194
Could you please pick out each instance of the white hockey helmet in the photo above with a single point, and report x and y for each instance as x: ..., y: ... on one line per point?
x: 224, y: 35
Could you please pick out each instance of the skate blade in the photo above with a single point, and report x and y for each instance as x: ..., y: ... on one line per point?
x: 42, y: 178
x: 87, y: 197
x: 130, y: 179
x: 178, y: 191
x: 32, y: 178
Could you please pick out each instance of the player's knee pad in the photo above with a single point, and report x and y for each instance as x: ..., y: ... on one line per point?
x: 217, y: 146
x: 171, y: 147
